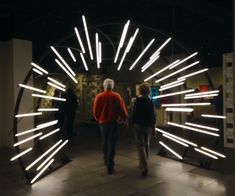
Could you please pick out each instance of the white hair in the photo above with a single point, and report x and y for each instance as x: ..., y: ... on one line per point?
x: 108, y: 84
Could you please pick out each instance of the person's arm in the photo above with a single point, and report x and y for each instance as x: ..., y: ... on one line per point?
x: 96, y: 111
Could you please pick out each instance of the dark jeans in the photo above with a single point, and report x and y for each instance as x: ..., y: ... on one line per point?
x: 109, y: 139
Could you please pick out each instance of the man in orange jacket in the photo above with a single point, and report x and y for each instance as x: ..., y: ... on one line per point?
x: 108, y: 109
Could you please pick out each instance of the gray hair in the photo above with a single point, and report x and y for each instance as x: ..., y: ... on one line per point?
x: 108, y: 84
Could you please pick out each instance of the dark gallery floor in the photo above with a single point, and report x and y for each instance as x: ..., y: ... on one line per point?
x: 86, y: 175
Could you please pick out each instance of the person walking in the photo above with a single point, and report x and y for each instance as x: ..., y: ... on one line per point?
x: 108, y: 109
x: 143, y: 120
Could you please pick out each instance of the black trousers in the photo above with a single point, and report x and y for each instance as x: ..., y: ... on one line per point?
x: 109, y: 139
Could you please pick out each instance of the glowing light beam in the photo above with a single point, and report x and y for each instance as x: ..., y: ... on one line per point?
x: 201, y: 126
x: 194, y: 73
x: 84, y: 62
x: 175, y: 140
x: 40, y: 68
x: 179, y: 109
x: 185, y: 104
x: 48, y: 97
x: 172, y: 94
x: 213, y: 116
x: 87, y: 37
x: 56, y: 86
x: 21, y: 154
x: 27, y: 139
x: 71, y: 54
x: 28, y: 114
x: 32, y: 88
x: 172, y: 151
x: 56, y: 82
x: 213, y: 152
x: 79, y: 39
x: 205, y: 153
x: 183, y: 60
x: 48, y: 134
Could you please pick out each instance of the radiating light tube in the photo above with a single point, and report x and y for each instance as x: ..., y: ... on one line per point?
x: 172, y: 151
x: 165, y: 43
x: 37, y: 71
x: 97, y: 50
x: 160, y: 71
x: 40, y: 68
x: 201, y: 126
x: 84, y: 62
x: 183, y: 60
x: 172, y: 94
x: 123, y: 36
x: 176, y: 72
x: 177, y: 141
x: 174, y: 136
x: 79, y: 39
x: 48, y: 109
x: 194, y: 73
x: 171, y: 83
x: 71, y: 54
x: 141, y: 54
x: 149, y: 63
x: 44, y: 162
x: 87, y: 37
x: 44, y: 125
x: 43, y: 155
x: 28, y: 114
x: 56, y: 82
x: 171, y: 86
x: 179, y: 109
x: 40, y: 173
x: 200, y: 96
x: 100, y: 52
x: 213, y: 152
x: 56, y: 86
x: 32, y: 88
x: 154, y: 55
x: 49, y: 97
x: 185, y: 104
x: 66, y: 71
x: 27, y: 139
x: 193, y: 129
x: 120, y: 64
x: 21, y: 154
x: 213, y: 116
x: 53, y: 122
x: 205, y: 153
x: 64, y: 62
x: 208, y: 92
x: 48, y: 134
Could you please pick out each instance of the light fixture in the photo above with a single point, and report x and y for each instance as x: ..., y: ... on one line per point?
x: 97, y: 50
x: 48, y: 134
x: 128, y: 47
x: 37, y: 71
x: 100, y: 52
x: 206, y: 153
x: 141, y: 54
x: 53, y: 122
x: 27, y: 139
x: 84, y: 62
x: 175, y: 140
x: 149, y: 63
x: 172, y: 94
x: 165, y: 43
x: 123, y: 36
x: 160, y: 71
x: 183, y: 60
x: 21, y: 154
x: 28, y: 114
x: 40, y: 68
x: 40, y: 173
x: 56, y: 86
x: 177, y: 137
x: 201, y: 126
x: 52, y: 154
x: 193, y: 129
x: 49, y: 97
x: 192, y: 74
x: 185, y: 104
x: 213, y: 116
x: 171, y: 86
x: 56, y: 82
x: 79, y: 39
x: 48, y: 109
x: 62, y: 60
x: 87, y: 36
x: 213, y: 152
x: 179, y: 109
x: 43, y: 155
x: 200, y: 96
x: 172, y: 151
x: 176, y: 72
x: 71, y: 54
x: 203, y: 93
x: 171, y: 83
x: 66, y: 71
x: 32, y: 88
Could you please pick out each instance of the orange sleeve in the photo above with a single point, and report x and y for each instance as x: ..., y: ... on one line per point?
x: 96, y: 111
x: 123, y: 112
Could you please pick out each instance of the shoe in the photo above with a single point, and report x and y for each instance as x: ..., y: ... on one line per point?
x: 145, y: 172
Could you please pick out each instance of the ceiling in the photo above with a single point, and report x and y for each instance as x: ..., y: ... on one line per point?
x: 199, y: 25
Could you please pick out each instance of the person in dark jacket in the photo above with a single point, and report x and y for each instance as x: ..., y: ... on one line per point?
x: 143, y: 120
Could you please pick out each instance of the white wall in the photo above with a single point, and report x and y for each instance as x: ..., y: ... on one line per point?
x: 15, y: 59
